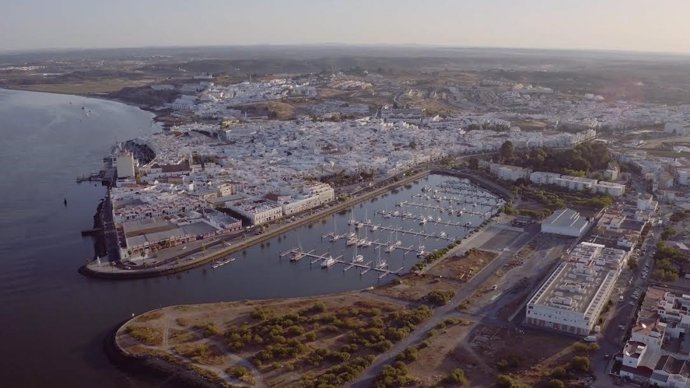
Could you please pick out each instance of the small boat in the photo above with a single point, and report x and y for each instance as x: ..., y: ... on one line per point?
x: 390, y: 248
x: 381, y: 264
x: 220, y: 263
x: 422, y: 221
x: 374, y: 228
x: 396, y: 213
x: 328, y: 262
x: 443, y: 235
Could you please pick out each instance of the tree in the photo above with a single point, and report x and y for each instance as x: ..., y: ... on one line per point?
x: 507, y: 151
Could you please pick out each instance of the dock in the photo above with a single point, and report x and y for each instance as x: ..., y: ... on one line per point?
x: 315, y: 258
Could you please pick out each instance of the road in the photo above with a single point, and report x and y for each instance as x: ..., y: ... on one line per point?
x: 447, y: 311
x: 613, y: 336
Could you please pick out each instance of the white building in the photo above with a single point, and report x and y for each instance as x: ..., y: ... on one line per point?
x: 565, y: 222
x: 125, y: 165
x: 509, y: 173
x: 258, y: 212
x: 577, y: 183
x: 573, y: 296
x: 612, y: 189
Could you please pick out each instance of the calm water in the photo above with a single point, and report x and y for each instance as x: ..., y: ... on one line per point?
x: 54, y: 320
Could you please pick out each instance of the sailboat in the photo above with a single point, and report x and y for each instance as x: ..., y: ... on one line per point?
x: 357, y: 258
x: 380, y: 263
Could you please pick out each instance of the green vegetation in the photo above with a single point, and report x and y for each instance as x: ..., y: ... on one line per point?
x: 505, y: 381
x: 455, y: 378
x: 199, y: 353
x: 579, y: 364
x: 633, y: 263
x: 583, y: 348
x: 408, y: 355
x: 359, y: 333
x: 438, y: 298
x: 668, y: 260
x: 555, y: 383
x: 393, y: 376
x: 554, y: 197
x: 241, y: 373
x: 146, y: 335
x: 579, y: 161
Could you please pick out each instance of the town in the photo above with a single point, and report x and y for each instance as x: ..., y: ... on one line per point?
x: 586, y: 240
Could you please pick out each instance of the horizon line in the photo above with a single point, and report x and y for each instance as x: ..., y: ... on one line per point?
x: 341, y: 44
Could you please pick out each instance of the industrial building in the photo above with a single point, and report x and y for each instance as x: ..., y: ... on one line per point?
x: 573, y: 296
x: 565, y: 222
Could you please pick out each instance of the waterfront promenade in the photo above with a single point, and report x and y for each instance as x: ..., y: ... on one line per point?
x: 201, y: 252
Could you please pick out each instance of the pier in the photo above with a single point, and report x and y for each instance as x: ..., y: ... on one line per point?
x: 365, y: 267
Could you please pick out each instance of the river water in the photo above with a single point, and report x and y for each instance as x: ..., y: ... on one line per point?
x: 53, y: 320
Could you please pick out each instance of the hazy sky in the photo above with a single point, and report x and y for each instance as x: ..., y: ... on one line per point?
x: 643, y: 25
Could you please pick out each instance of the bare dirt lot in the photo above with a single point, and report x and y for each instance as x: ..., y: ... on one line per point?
x: 463, y: 267
x: 414, y: 288
x: 529, y: 356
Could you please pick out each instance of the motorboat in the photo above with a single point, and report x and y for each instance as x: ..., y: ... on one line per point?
x: 328, y: 262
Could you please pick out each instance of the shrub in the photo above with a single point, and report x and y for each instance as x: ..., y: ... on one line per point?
x: 456, y: 377
x: 580, y: 364
x: 408, y: 355
x: 559, y: 373
x: 555, y: 383
x: 438, y: 298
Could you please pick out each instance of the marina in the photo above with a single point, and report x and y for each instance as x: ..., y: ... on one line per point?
x: 401, y: 231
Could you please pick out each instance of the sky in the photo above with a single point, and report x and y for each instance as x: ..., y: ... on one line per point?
x: 635, y: 25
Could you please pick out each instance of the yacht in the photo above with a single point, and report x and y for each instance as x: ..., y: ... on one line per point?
x: 396, y: 213
x: 390, y: 248
x: 353, y: 240
x: 328, y: 262
x: 374, y: 228
x: 381, y: 264
x: 422, y: 221
x: 358, y: 259
x: 443, y: 235
x: 297, y: 255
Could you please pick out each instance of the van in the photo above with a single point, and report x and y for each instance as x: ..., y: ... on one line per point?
x: 590, y: 338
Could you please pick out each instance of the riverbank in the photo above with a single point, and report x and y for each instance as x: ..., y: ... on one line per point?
x: 107, y: 271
